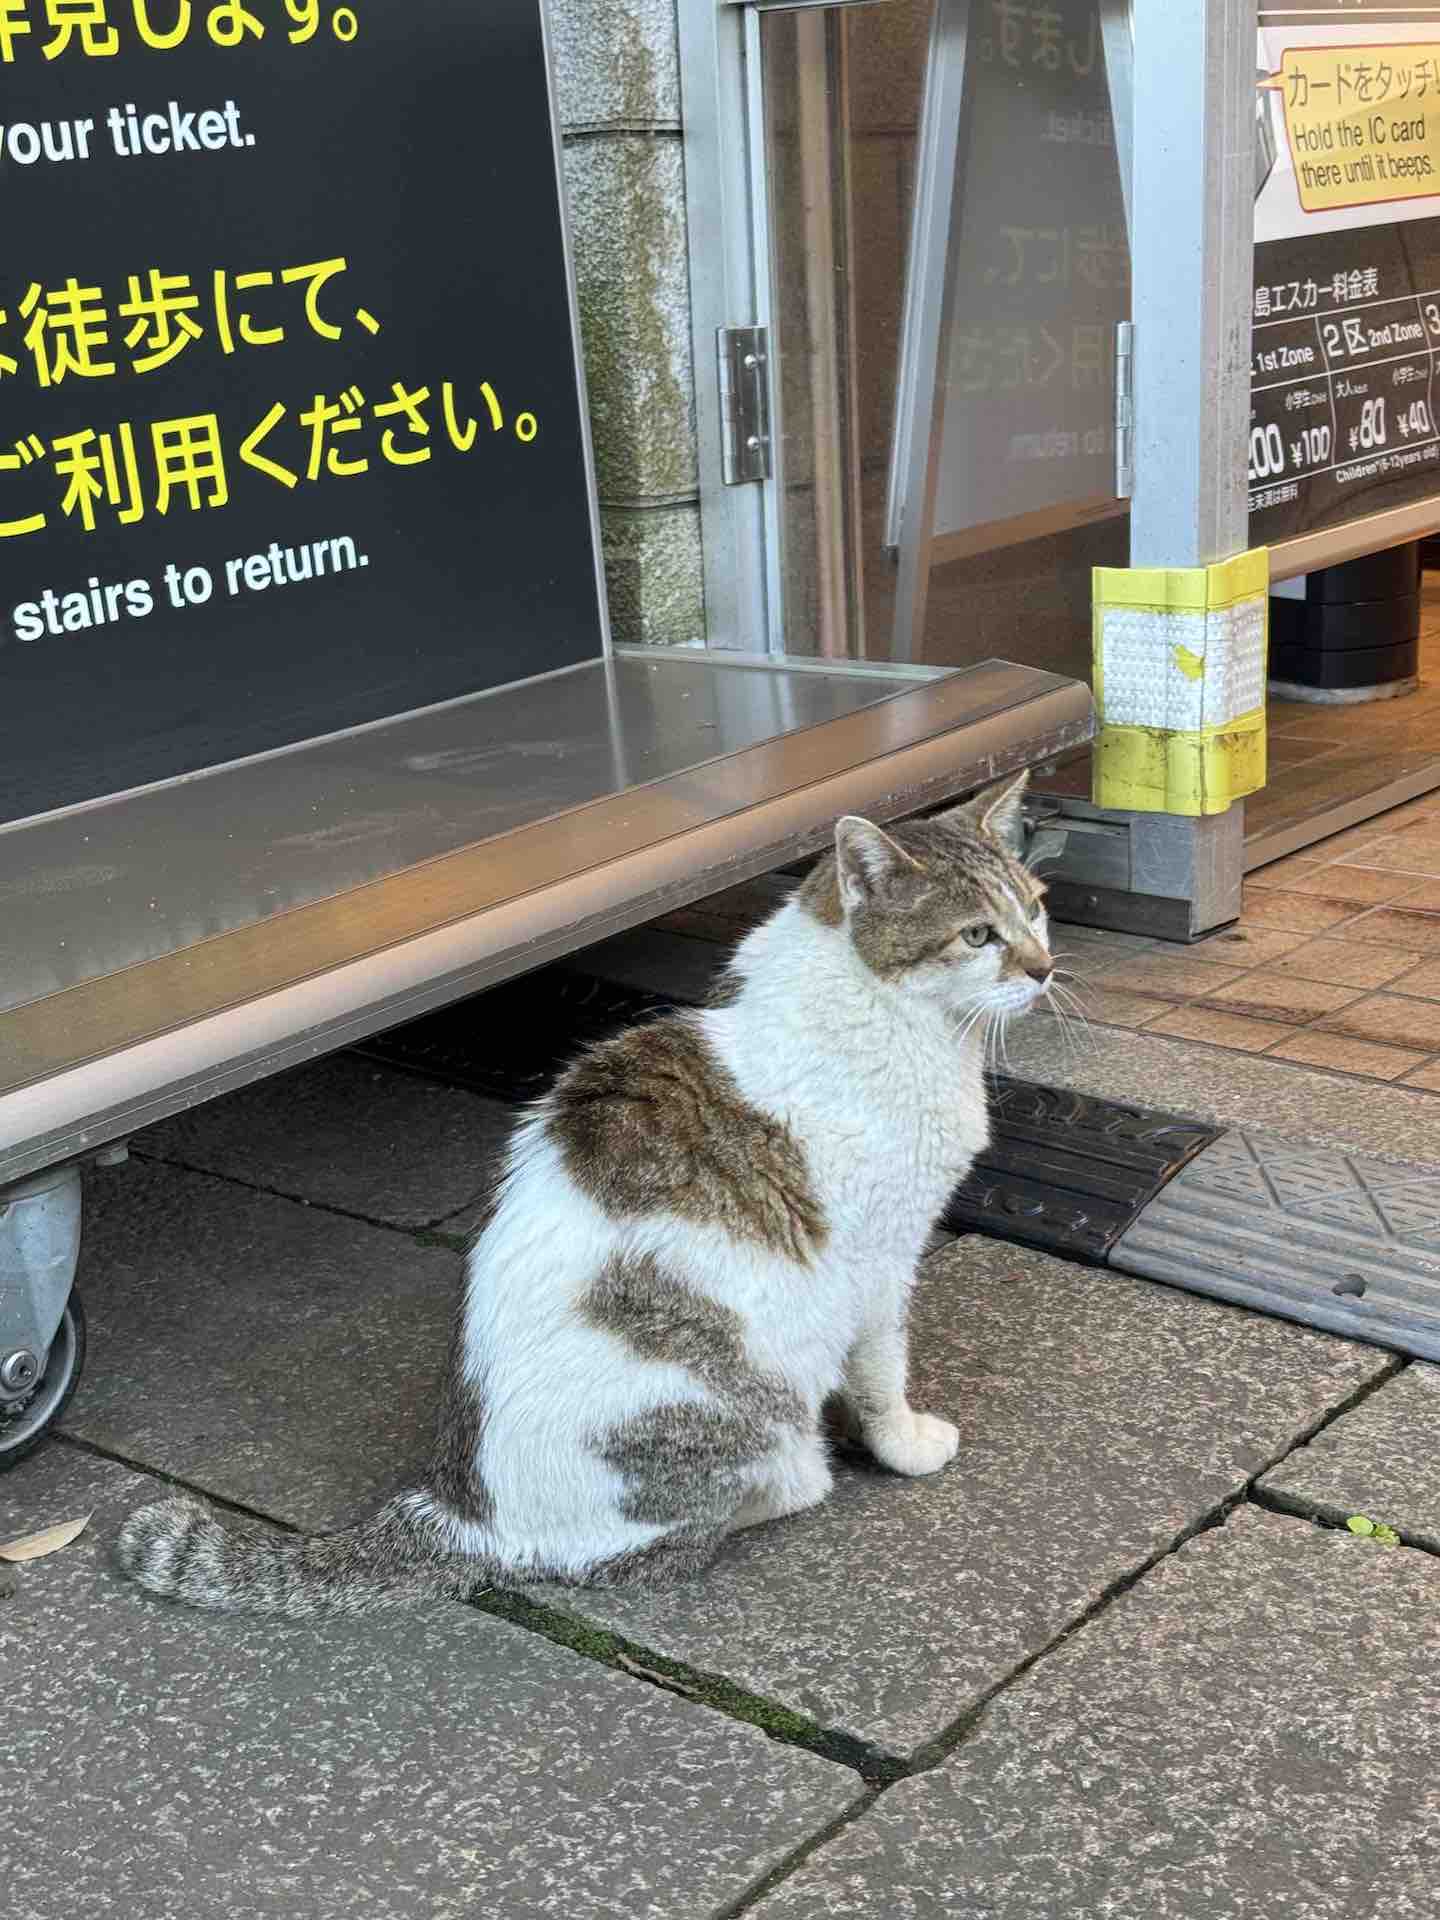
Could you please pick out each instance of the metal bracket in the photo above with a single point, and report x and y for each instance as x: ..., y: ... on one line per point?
x: 1124, y: 409
x: 744, y: 354
x: 39, y: 1247
x: 1044, y: 830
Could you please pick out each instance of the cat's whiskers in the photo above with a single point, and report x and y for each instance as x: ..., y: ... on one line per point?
x: 1060, y: 982
x: 976, y: 1013
x: 1057, y: 1013
x: 1074, y: 984
x: 1068, y: 973
x: 1064, y: 1022
x: 1004, y: 1039
x: 1073, y: 1017
x: 1074, y: 1010
x: 994, y: 1038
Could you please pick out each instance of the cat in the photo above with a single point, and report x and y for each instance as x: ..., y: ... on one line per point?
x: 709, y: 1226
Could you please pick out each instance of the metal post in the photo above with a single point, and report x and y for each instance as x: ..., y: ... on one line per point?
x: 1191, y: 208
x: 1193, y: 198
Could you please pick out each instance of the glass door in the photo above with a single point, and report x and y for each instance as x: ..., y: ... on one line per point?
x: 950, y: 168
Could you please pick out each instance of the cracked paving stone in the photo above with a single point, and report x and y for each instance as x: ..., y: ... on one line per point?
x: 1379, y: 1460
x: 348, y: 1133
x: 1251, y: 1733
x: 1100, y: 1417
x: 174, y: 1765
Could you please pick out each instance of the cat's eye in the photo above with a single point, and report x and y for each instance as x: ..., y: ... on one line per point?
x: 975, y: 936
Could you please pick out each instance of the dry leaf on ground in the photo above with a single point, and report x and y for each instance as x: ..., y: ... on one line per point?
x: 35, y: 1546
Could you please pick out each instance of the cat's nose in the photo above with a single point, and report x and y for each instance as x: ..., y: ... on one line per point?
x: 1040, y: 971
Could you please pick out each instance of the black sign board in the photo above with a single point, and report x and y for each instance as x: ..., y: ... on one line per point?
x: 1345, y: 387
x: 290, y: 426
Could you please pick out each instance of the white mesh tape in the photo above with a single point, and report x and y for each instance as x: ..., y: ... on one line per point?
x: 1182, y: 670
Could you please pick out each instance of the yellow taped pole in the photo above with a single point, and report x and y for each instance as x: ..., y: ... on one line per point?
x: 1180, y: 666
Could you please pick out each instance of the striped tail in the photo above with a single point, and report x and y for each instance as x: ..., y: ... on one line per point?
x: 179, y: 1548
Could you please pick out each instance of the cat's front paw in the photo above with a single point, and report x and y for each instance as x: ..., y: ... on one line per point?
x: 913, y: 1443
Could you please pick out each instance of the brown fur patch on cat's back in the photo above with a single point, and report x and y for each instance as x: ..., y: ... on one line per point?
x: 652, y: 1122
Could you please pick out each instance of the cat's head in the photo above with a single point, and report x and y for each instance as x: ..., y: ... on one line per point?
x: 943, y: 907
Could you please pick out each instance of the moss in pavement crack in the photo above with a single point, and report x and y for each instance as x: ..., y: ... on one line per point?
x: 436, y: 1237
x: 710, y: 1690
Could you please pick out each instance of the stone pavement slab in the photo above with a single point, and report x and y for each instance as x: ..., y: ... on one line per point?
x: 1382, y: 1460
x: 171, y: 1765
x: 1251, y: 1733
x: 275, y: 1354
x: 1304, y: 1104
x: 346, y: 1133
x: 1100, y: 1418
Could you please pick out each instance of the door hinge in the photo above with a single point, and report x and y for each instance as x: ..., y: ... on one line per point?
x: 1124, y: 410
x: 744, y: 404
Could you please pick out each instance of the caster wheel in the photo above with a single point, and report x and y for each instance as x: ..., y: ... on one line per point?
x: 25, y: 1423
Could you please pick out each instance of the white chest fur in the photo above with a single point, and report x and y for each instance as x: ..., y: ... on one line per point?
x: 885, y: 1096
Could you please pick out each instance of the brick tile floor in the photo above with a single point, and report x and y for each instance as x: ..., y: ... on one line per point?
x: 1334, y: 962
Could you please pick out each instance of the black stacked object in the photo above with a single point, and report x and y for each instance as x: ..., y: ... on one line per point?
x: 1358, y: 625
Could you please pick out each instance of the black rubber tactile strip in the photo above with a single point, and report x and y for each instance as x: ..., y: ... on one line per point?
x: 1068, y: 1172
x: 510, y: 1042
x: 1064, y: 1171
x: 1310, y: 1233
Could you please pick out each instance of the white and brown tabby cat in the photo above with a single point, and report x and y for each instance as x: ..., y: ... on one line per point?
x: 707, y: 1227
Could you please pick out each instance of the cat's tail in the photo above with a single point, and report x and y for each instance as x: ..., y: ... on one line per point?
x: 180, y: 1549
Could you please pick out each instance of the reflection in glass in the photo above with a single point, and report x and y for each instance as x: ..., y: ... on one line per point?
x: 1041, y: 246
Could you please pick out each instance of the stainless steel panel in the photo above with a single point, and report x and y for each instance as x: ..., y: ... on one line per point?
x: 89, y: 892
x: 1332, y: 546
x: 112, y: 1052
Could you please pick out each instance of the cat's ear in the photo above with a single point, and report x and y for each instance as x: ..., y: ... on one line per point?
x: 995, y: 811
x: 871, y: 867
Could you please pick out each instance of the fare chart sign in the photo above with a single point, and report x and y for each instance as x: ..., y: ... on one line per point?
x: 290, y: 430
x: 1345, y: 370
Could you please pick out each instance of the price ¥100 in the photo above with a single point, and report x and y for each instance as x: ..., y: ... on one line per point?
x: 1311, y: 448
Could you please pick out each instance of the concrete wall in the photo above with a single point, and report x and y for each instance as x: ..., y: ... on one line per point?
x: 618, y: 81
